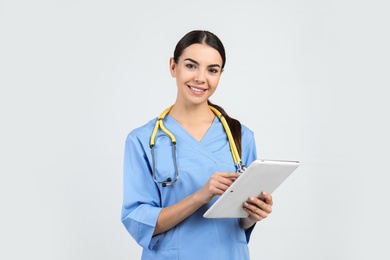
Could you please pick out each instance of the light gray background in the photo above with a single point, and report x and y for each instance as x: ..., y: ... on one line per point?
x: 310, y: 78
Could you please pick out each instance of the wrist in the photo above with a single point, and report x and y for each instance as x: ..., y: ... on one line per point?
x: 201, y: 198
x: 247, y: 223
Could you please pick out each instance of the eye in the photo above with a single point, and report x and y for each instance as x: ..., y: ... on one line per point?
x: 190, y: 66
x: 212, y: 70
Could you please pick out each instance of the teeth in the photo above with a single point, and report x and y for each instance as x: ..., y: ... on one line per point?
x: 197, y: 89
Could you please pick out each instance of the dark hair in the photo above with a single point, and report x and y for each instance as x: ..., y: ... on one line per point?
x: 201, y: 37
x: 210, y: 39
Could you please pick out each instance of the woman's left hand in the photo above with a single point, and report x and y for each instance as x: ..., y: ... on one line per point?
x: 257, y: 208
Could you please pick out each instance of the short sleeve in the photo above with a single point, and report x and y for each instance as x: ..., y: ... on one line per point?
x: 141, y: 198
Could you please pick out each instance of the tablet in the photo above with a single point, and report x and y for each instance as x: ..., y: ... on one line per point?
x: 261, y: 175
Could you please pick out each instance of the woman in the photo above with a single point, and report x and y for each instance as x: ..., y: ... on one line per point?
x: 165, y: 215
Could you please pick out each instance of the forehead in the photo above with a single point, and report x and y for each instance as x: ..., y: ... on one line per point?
x: 202, y: 53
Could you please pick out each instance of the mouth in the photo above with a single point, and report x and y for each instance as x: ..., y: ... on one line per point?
x: 197, y: 89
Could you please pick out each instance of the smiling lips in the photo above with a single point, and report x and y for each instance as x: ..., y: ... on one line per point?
x: 197, y: 90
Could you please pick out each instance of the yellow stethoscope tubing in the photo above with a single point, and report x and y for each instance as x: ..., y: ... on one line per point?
x: 233, y: 147
x: 159, y: 124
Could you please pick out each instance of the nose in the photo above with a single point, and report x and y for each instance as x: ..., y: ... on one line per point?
x: 199, y: 77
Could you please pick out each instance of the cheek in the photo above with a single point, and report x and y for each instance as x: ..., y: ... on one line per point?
x: 214, y: 82
x: 184, y: 75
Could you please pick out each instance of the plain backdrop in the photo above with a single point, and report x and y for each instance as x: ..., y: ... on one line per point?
x: 310, y: 78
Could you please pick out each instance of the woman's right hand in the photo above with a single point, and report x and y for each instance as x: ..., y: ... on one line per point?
x: 172, y: 215
x: 216, y: 185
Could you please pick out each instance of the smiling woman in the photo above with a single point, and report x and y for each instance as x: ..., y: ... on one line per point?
x: 166, y: 217
x: 197, y: 73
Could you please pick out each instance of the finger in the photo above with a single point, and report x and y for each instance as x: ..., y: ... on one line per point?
x: 220, y: 181
x: 267, y: 198
x: 252, y: 216
x: 259, y: 203
x: 218, y: 185
x: 228, y: 174
x: 232, y: 176
x: 222, y: 186
x: 226, y: 178
x: 254, y: 212
x: 216, y: 191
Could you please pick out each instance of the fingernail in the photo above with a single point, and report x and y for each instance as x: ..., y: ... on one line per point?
x: 252, y: 199
x: 264, y: 193
x: 245, y: 204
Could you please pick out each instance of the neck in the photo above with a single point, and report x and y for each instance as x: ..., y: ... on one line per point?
x: 192, y: 114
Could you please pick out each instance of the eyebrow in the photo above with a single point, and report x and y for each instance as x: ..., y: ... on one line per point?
x: 197, y: 63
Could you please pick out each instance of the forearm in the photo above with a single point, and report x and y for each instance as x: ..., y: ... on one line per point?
x: 247, y: 223
x: 176, y: 213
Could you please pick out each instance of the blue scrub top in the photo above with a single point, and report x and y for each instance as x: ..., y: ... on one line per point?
x: 195, y: 237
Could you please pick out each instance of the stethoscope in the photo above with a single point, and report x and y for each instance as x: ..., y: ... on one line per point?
x: 159, y: 124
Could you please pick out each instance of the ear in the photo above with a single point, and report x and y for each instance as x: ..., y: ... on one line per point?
x: 172, y: 67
